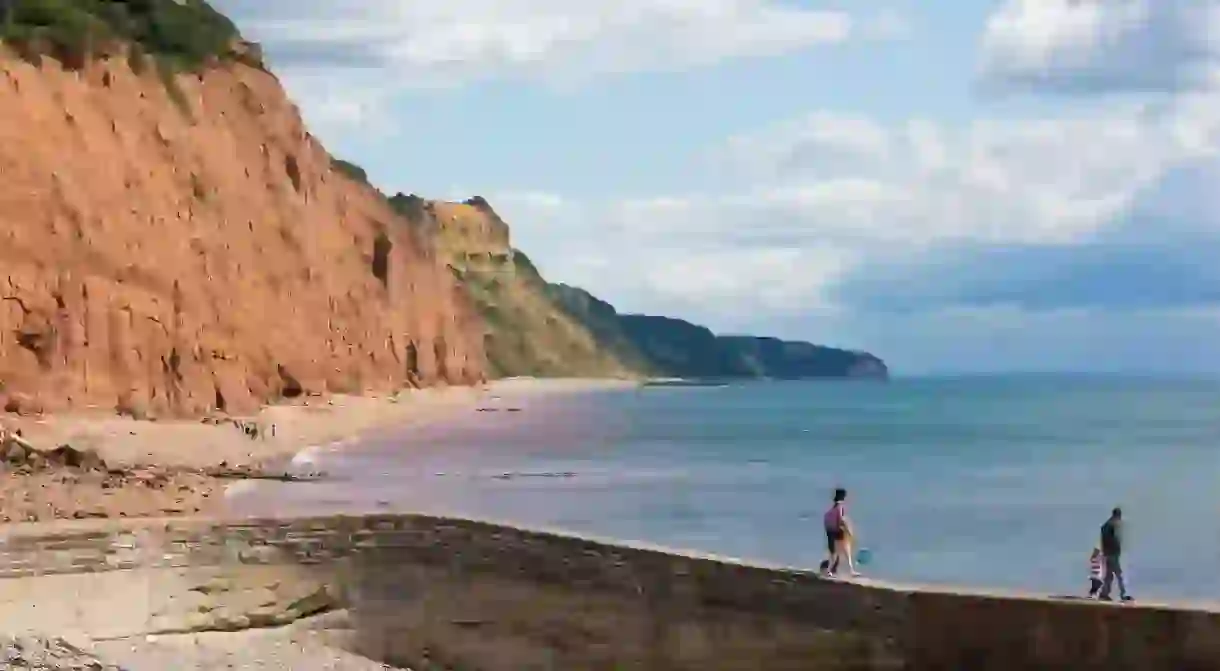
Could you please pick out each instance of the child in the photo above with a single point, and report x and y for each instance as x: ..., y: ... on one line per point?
x: 1097, y: 568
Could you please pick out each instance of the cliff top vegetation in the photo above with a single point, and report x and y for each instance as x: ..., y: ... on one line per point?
x: 180, y: 34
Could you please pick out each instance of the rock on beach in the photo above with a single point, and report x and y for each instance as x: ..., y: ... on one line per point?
x: 20, y: 653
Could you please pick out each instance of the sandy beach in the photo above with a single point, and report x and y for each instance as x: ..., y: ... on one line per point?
x: 172, y: 468
x: 181, y: 467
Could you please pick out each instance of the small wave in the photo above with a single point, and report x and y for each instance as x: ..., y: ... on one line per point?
x: 555, y: 474
x: 308, y: 462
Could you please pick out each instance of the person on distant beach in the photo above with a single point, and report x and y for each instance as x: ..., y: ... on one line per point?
x: 1112, y: 550
x: 1097, y: 565
x: 838, y: 535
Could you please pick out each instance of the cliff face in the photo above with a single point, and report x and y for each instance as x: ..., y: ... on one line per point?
x: 526, y: 332
x: 177, y: 249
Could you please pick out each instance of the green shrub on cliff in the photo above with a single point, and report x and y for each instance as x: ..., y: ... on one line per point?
x: 410, y: 206
x: 180, y: 34
x: 350, y: 169
x: 524, y: 265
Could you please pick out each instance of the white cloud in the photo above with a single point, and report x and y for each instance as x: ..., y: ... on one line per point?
x: 330, y: 102
x: 1017, y: 181
x: 769, y: 280
x: 653, y: 266
x: 418, y: 44
x: 1104, y: 45
x: 475, y: 38
x: 799, y: 224
x: 829, y: 141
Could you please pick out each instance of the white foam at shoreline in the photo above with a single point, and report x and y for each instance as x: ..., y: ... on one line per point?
x: 307, y: 456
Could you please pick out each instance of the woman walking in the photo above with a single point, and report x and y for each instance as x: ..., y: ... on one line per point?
x: 839, y: 535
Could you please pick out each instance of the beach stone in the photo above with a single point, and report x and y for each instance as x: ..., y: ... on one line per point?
x: 14, y: 449
x: 259, y: 554
x: 48, y: 654
x: 268, y: 616
x: 226, y: 620
x: 36, y: 460
x: 70, y: 457
x: 13, y: 453
x: 319, y: 600
x: 19, y: 453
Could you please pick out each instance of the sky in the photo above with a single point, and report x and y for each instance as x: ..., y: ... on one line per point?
x: 972, y: 186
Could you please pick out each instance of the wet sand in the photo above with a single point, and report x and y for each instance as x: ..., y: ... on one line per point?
x: 170, y: 468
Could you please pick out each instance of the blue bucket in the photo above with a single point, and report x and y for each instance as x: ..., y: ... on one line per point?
x: 864, y: 556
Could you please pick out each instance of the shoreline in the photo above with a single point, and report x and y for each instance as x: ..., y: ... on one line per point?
x: 184, y: 468
x: 326, y: 418
x: 443, y: 409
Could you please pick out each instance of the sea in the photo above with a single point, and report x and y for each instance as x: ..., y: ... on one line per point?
x: 980, y: 481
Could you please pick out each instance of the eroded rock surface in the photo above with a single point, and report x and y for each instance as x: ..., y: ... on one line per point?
x: 249, y: 600
x: 167, y: 262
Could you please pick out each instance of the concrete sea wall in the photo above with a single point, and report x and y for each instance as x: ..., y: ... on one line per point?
x: 104, y: 580
x: 431, y: 593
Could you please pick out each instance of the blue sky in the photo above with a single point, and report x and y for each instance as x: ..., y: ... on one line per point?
x: 967, y: 186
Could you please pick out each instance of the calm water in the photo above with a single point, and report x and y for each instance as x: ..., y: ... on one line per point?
x: 981, y: 481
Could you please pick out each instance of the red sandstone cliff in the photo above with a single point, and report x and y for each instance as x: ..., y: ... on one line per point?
x: 157, y: 261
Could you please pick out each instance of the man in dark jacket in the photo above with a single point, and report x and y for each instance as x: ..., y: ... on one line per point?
x: 1112, y: 549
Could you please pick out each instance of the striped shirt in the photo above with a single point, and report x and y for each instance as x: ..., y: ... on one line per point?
x: 1096, y: 566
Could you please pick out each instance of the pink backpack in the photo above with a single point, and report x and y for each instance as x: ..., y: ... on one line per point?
x: 833, y: 519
